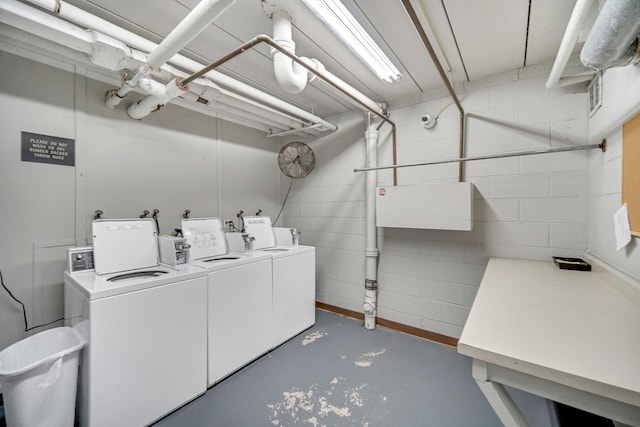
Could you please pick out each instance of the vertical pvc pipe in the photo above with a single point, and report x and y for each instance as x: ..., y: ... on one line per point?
x: 371, y: 248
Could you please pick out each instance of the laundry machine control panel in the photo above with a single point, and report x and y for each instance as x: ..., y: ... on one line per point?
x: 80, y: 259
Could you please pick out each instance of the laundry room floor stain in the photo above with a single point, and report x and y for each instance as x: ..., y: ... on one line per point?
x: 313, y: 337
x: 408, y: 381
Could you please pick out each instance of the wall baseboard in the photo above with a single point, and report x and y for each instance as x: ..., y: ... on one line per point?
x: 431, y: 336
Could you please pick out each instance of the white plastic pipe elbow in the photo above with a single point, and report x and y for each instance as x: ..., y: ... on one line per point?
x: 152, y: 103
x: 291, y: 76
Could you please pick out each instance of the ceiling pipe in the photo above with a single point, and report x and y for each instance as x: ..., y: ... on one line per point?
x: 249, y: 111
x: 291, y: 76
x: 289, y: 132
x: 152, y: 103
x: 249, y: 108
x: 353, y: 94
x: 252, y: 115
x: 113, y: 97
x: 22, y: 16
x: 193, y: 24
x: 434, y: 58
x: 225, y: 112
x: 369, y: 307
x: 613, y: 40
x: 572, y: 32
x: 79, y: 16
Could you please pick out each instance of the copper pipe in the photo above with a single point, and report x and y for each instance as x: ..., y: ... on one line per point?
x: 425, y: 40
x: 393, y: 150
x: 461, y: 151
x: 263, y: 38
x: 237, y: 51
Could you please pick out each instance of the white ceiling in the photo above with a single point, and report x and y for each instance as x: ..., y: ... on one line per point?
x: 478, y: 38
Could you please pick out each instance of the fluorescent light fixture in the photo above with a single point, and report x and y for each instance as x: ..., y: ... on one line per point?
x: 342, y: 22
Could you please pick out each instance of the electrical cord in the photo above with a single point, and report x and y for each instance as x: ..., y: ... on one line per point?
x: 284, y: 202
x: 24, y: 310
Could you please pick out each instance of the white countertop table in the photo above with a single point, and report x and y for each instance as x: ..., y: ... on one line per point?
x: 570, y: 336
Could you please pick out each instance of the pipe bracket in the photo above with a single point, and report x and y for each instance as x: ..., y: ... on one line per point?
x: 370, y: 284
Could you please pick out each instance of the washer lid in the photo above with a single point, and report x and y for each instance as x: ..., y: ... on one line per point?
x: 125, y: 244
x: 260, y: 228
x: 205, y: 236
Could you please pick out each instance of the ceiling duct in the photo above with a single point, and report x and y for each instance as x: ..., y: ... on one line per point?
x: 613, y: 40
x: 571, y: 35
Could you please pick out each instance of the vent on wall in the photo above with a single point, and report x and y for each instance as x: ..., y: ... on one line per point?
x: 594, y: 91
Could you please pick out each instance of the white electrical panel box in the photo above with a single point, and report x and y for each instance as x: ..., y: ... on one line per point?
x: 447, y: 206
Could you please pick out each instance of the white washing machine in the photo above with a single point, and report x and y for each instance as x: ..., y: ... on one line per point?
x: 294, y: 278
x: 239, y: 298
x: 145, y: 327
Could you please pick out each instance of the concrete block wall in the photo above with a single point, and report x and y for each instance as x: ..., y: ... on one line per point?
x: 525, y: 207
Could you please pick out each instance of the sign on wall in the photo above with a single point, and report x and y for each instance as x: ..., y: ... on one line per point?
x: 47, y: 149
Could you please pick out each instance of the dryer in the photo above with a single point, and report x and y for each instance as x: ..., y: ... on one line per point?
x: 293, y: 275
x: 239, y: 298
x: 145, y: 327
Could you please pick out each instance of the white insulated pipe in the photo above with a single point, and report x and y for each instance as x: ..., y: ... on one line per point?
x: 193, y: 24
x: 151, y: 103
x: 225, y: 112
x: 79, y: 16
x: 251, y: 114
x: 371, y: 246
x: 362, y: 98
x: 48, y: 27
x: 571, y: 34
x: 245, y: 107
x: 613, y: 39
x: 114, y: 97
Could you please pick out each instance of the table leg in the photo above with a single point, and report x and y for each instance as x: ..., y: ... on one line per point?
x: 498, y: 398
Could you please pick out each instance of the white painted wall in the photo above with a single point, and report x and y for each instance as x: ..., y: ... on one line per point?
x: 174, y: 160
x: 621, y: 101
x: 528, y: 207
x: 36, y: 200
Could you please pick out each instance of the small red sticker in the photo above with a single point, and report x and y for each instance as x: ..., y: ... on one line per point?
x: 382, y: 191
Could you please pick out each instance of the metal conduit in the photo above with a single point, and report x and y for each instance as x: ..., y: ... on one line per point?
x: 602, y: 146
x: 425, y: 40
x: 263, y: 38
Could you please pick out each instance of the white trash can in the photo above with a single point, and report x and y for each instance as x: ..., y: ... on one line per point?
x: 39, y: 376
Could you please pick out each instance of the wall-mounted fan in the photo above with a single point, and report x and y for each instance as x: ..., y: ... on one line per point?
x: 296, y: 160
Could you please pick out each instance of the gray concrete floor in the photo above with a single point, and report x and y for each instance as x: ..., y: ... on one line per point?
x: 339, y: 374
